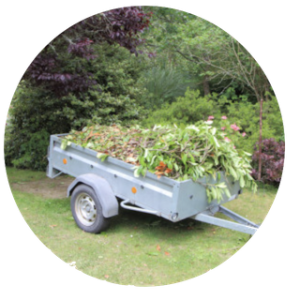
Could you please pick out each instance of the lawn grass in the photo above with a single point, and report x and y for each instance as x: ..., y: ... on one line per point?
x: 137, y: 249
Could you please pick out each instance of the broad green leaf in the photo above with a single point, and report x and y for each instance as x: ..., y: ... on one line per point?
x: 136, y: 173
x: 131, y: 159
x: 200, y: 171
x: 221, y: 185
x: 242, y: 182
x: 247, y: 153
x: 102, y: 156
x: 193, y: 127
x: 249, y: 176
x: 214, y: 193
x: 185, y: 177
x: 214, y: 175
x: 191, y: 157
x: 144, y: 171
x: 146, y: 153
x: 216, y: 142
x: 216, y: 160
x: 142, y: 160
x: 209, y: 195
x: 90, y: 145
x: 227, y: 193
x: 152, y: 161
x: 233, y: 173
x: 219, y: 194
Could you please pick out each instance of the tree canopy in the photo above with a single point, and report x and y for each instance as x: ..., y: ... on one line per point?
x: 60, y: 67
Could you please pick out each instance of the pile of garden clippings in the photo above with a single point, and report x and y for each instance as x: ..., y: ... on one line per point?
x: 185, y: 153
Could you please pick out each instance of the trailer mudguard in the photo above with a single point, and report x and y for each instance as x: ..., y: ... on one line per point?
x: 109, y: 203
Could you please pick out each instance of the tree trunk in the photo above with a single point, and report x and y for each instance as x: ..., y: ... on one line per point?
x: 206, y: 87
x: 260, y: 138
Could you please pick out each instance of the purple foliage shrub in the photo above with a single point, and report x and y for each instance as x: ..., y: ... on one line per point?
x: 272, y: 158
x: 51, y: 68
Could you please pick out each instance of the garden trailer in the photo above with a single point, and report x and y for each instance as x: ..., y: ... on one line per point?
x: 99, y: 186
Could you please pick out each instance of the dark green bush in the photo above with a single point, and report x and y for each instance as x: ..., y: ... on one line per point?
x: 36, y: 112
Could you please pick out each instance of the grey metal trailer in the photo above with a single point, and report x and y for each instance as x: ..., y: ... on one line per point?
x: 98, y: 186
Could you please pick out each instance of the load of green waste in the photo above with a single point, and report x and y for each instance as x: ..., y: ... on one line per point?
x: 191, y: 152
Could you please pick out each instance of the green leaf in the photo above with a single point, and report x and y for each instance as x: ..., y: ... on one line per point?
x: 185, y: 177
x: 214, y: 193
x: 131, y: 159
x: 89, y: 145
x: 227, y: 193
x: 200, y: 171
x: 102, y: 156
x: 136, y: 172
x: 141, y: 160
x: 242, y: 182
x: 214, y: 175
x: 221, y: 185
x: 191, y: 157
x: 193, y: 127
x: 233, y: 173
x: 144, y: 171
x: 216, y: 160
x: 64, y: 144
x: 152, y: 161
x: 216, y: 142
x: 247, y: 153
x: 209, y: 195
x: 146, y: 153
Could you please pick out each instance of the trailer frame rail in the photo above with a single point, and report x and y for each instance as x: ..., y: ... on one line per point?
x: 242, y: 225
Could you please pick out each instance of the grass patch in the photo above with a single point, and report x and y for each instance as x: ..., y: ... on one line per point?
x: 137, y: 249
x: 22, y: 176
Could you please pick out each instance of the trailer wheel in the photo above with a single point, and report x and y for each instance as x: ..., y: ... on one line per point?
x: 87, y: 210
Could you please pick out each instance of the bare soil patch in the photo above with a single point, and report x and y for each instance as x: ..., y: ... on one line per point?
x: 47, y: 188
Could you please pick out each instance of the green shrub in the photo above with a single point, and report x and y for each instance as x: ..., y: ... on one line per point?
x: 163, y: 85
x: 37, y: 113
x: 185, y: 110
x: 193, y: 108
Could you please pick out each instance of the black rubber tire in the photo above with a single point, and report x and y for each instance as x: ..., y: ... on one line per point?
x: 100, y: 223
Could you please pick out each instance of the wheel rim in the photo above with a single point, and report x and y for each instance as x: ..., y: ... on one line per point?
x: 85, y: 209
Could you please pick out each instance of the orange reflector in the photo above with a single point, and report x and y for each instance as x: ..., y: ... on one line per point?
x: 133, y: 190
x: 65, y: 161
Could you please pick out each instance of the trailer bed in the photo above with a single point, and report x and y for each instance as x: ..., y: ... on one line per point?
x: 165, y: 197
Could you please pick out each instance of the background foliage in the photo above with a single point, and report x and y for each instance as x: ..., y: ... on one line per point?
x: 149, y: 65
x: 194, y: 107
x: 273, y: 159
